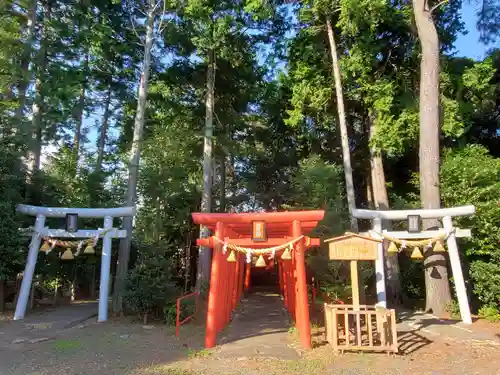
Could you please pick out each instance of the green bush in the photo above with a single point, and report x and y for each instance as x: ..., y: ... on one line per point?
x: 486, y: 278
x: 11, y: 254
x: 472, y: 176
x: 490, y: 313
x: 188, y: 307
x: 453, y: 309
x: 149, y: 285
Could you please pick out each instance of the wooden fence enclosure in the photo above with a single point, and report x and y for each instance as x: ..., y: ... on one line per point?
x: 369, y: 328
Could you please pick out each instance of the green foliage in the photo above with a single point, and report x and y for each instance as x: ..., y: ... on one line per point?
x: 453, y: 309
x: 490, y: 313
x: 472, y: 176
x: 149, y: 284
x: 10, y: 184
x: 318, y: 184
x: 188, y: 307
x: 486, y: 277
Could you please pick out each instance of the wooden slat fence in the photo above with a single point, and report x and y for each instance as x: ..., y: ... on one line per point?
x: 369, y: 328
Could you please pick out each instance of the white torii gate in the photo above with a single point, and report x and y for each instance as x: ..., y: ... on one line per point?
x: 41, y: 213
x: 446, y: 215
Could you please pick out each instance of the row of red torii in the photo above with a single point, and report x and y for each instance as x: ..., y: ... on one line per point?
x: 236, y: 239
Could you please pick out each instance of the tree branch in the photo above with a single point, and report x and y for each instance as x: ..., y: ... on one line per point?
x: 160, y: 28
x: 438, y: 5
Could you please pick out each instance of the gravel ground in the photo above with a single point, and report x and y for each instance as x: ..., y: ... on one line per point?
x: 119, y: 347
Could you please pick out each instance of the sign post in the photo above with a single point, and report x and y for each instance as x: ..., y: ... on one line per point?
x: 353, y: 247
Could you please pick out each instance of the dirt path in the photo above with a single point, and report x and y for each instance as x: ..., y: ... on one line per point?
x: 260, y: 329
x: 429, y: 347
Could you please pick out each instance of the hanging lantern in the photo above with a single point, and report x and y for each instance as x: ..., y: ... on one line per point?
x: 393, y: 249
x: 260, y: 262
x: 416, y: 254
x: 286, y: 254
x: 438, y: 247
x: 45, y: 247
x: 67, y: 255
x: 231, y: 258
x: 89, y: 249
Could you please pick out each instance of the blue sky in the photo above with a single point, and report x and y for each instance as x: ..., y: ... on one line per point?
x: 468, y: 45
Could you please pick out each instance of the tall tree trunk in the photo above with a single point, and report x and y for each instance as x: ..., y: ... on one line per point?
x: 35, y: 141
x: 369, y: 191
x: 104, y: 130
x: 381, y: 202
x: 79, y: 113
x: 157, y: 223
x: 25, y: 63
x: 205, y: 257
x: 124, y: 252
x: 346, y: 153
x: 436, y: 274
x: 222, y: 198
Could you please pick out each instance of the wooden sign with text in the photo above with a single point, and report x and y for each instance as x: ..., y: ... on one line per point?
x: 353, y: 247
x: 259, y: 233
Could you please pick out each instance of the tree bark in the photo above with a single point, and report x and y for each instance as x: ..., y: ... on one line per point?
x: 346, y: 153
x: 205, y: 256
x: 25, y: 63
x: 222, y: 198
x: 104, y: 130
x: 436, y: 274
x: 79, y: 113
x: 381, y: 202
x: 130, y: 198
x: 35, y: 141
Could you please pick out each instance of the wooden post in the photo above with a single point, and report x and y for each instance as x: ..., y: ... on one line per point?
x: 303, y: 321
x: 247, y: 276
x: 213, y: 312
x: 280, y: 276
x: 355, y: 284
x: 456, y: 269
x: 285, y: 284
x: 241, y: 276
x: 379, y: 267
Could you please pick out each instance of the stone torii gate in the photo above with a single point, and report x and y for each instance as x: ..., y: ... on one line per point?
x: 237, y: 237
x: 107, y: 233
x: 449, y: 232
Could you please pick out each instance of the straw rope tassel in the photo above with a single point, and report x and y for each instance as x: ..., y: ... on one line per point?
x: 393, y: 249
x: 438, y: 247
x: 416, y: 253
x: 260, y: 262
x: 45, y: 247
x: 232, y: 257
x: 67, y: 255
x: 286, y: 254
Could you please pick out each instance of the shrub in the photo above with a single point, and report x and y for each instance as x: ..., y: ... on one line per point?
x: 472, y: 176
x: 149, y: 285
x: 453, y: 309
x: 490, y: 313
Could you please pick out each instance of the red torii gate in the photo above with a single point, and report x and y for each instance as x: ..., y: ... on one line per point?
x: 234, y: 231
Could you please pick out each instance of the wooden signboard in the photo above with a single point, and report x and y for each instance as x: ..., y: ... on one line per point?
x: 353, y: 247
x: 259, y: 233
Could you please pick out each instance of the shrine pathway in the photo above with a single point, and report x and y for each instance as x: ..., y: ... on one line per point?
x: 259, y: 329
x: 44, y: 324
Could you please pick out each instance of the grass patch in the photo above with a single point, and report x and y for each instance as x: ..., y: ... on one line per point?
x: 67, y: 345
x: 164, y: 370
x: 308, y: 366
x: 202, y: 353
